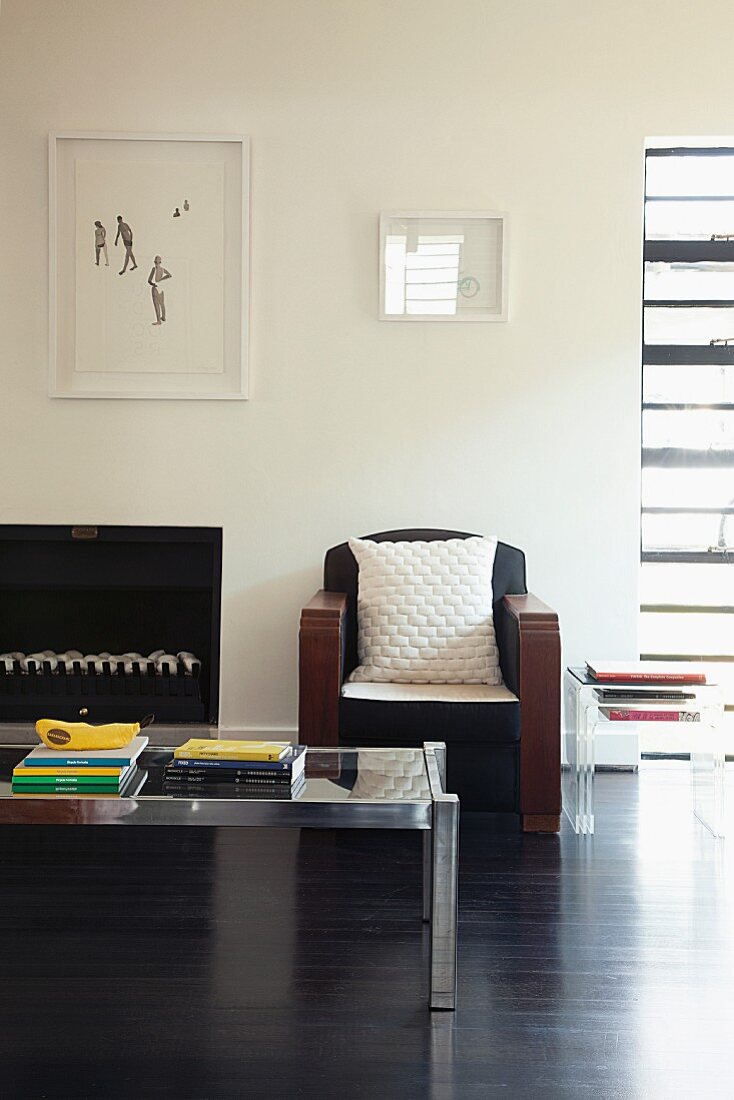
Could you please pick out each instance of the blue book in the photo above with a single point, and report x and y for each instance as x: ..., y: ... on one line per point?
x: 41, y: 757
x: 293, y: 763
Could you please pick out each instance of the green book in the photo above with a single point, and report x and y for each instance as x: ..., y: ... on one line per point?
x: 24, y: 790
x: 70, y: 782
x: 36, y: 788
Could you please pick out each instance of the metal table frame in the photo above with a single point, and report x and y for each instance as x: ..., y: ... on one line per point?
x: 437, y: 818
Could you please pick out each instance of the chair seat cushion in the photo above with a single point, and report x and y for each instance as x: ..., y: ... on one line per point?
x: 429, y: 693
x: 388, y: 714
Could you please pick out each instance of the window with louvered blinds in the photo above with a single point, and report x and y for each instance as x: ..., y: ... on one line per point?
x: 687, y: 542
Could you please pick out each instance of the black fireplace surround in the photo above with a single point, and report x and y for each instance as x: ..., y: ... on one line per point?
x: 113, y: 589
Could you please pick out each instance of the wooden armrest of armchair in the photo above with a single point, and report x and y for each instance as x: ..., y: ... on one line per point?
x: 320, y: 668
x: 535, y: 672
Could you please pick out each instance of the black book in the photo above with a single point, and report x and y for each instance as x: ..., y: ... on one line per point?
x: 190, y: 778
x: 224, y: 790
x: 641, y: 695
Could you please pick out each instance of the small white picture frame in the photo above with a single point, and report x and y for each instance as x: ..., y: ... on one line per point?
x: 443, y: 265
x: 127, y: 213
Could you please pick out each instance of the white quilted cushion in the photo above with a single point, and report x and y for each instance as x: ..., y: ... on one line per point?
x: 425, y: 612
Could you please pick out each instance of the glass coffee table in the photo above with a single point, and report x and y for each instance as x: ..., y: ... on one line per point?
x: 345, y: 789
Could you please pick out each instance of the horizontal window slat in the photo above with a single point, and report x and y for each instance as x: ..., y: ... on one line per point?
x: 689, y: 198
x: 687, y: 252
x: 692, y: 511
x: 696, y: 429
x: 687, y: 557
x: 670, y: 218
x: 686, y: 609
x: 702, y: 325
x: 671, y: 406
x: 689, y: 151
x: 687, y: 489
x: 689, y: 303
x: 679, y: 655
x: 671, y: 383
x: 690, y: 490
x: 667, y: 583
x: 687, y: 172
x: 672, y: 457
x: 702, y: 634
x: 687, y: 355
x: 685, y: 531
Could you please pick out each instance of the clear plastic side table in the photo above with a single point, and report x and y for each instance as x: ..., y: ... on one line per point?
x: 577, y: 772
x: 708, y: 773
x: 584, y: 712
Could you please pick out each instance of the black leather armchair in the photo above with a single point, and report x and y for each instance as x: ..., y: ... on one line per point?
x: 502, y: 757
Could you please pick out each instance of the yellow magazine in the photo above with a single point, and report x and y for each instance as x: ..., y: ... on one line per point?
x: 198, y: 748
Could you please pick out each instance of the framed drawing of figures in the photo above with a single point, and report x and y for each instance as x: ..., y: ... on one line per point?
x: 148, y: 265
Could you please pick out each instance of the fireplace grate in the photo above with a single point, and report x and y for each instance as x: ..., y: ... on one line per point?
x: 101, y: 686
x: 72, y: 662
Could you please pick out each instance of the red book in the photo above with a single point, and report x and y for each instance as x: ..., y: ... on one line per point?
x: 643, y: 672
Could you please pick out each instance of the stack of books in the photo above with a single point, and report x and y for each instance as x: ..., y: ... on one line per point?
x: 646, y: 683
x: 100, y: 773
x: 236, y: 769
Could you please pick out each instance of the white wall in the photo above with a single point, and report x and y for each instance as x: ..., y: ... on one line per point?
x: 528, y: 430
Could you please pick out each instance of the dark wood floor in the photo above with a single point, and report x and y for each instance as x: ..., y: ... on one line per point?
x: 201, y: 965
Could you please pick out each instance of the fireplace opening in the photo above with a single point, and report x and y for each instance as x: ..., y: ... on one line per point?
x: 110, y: 623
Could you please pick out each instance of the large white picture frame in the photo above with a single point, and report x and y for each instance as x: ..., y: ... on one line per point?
x: 438, y: 265
x: 148, y: 265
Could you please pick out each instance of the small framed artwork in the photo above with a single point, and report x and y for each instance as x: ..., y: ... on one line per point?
x: 443, y: 266
x: 148, y: 266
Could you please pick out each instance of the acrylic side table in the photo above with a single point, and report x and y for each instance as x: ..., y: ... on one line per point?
x: 584, y: 712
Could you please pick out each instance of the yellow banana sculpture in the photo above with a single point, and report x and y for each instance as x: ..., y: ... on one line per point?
x: 81, y: 737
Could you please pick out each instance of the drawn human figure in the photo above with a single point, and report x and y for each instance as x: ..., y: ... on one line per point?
x: 124, y: 231
x: 157, y: 275
x: 100, y: 243
x: 186, y: 204
x: 177, y: 213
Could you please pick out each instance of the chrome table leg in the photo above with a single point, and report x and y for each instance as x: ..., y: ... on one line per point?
x: 444, y: 898
x: 443, y: 881
x: 427, y: 867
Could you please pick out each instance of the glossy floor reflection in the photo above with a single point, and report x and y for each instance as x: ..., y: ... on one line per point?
x: 201, y: 964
